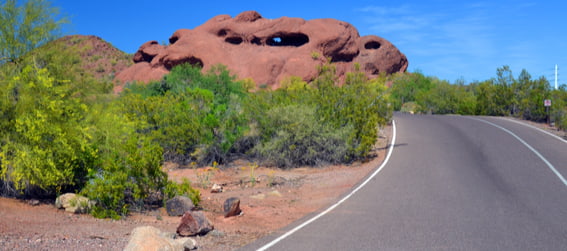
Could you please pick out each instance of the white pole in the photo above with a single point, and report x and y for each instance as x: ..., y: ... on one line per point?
x: 556, y: 87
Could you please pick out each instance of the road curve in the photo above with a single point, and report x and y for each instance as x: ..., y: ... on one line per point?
x: 452, y: 183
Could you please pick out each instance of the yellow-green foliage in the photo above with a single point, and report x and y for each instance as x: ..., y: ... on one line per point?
x: 55, y: 141
x: 294, y: 83
x: 25, y: 26
x: 184, y: 188
x: 49, y: 145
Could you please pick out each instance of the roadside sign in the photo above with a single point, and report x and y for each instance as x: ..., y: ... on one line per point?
x: 547, y: 102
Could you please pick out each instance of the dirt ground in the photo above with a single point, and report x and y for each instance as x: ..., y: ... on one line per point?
x: 270, y: 199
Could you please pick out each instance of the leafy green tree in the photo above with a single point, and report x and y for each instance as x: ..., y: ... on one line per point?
x: 503, y: 94
x: 26, y: 26
x: 529, y: 97
x: 485, y: 95
x: 407, y: 86
x: 446, y: 98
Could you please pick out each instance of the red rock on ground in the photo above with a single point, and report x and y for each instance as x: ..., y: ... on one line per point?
x: 267, y: 50
x: 194, y: 223
x: 231, y: 207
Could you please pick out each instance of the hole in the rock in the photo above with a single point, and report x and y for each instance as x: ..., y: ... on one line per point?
x: 147, y: 58
x: 372, y: 45
x: 233, y: 40
x: 191, y: 60
x: 222, y: 33
x: 173, y: 39
x: 256, y: 41
x: 291, y: 39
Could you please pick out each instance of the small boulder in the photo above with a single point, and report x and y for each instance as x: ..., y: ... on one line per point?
x: 33, y: 202
x: 188, y: 243
x: 231, y: 207
x: 73, y: 203
x: 216, y: 188
x: 178, y: 205
x: 194, y: 223
x: 151, y: 238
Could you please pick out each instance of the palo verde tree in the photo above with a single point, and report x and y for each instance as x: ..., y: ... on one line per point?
x: 25, y: 26
x: 48, y: 148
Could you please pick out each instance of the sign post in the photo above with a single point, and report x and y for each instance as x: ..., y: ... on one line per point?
x: 547, y: 104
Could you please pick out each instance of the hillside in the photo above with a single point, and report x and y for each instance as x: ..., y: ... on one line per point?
x: 78, y: 58
x: 98, y: 57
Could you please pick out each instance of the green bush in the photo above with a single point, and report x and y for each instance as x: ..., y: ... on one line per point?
x: 56, y: 142
x: 127, y: 170
x: 294, y: 120
x: 558, y: 109
x: 47, y: 145
x: 360, y: 103
x: 184, y: 188
x: 300, y: 139
x: 193, y: 116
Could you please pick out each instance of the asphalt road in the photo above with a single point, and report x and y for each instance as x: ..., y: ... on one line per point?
x: 451, y: 183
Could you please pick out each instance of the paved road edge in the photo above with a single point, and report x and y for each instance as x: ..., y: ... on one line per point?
x: 290, y: 232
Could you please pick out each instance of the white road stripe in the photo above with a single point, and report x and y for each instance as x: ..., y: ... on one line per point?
x: 541, y: 130
x: 390, y: 149
x: 529, y: 147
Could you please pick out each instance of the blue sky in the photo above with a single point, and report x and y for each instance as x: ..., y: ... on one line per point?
x: 446, y: 39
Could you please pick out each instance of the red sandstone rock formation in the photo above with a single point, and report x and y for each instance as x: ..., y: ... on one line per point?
x: 267, y: 50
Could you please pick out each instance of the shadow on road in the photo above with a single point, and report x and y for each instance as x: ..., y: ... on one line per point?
x: 396, y: 145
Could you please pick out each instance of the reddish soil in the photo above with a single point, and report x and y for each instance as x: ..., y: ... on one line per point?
x: 270, y: 199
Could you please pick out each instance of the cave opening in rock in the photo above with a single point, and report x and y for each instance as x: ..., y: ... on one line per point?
x: 222, y: 33
x: 289, y: 39
x: 372, y: 45
x: 233, y: 40
x: 173, y: 39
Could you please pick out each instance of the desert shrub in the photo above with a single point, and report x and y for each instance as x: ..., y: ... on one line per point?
x: 128, y: 166
x: 558, y: 109
x: 346, y: 106
x: 445, y: 98
x: 193, y: 116
x: 46, y: 146
x: 57, y: 142
x: 299, y: 138
x: 225, y: 122
x: 325, y: 113
x: 184, y: 188
x: 176, y: 122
